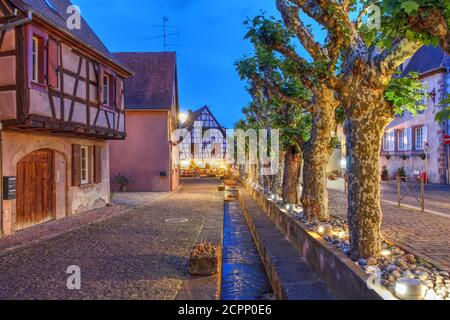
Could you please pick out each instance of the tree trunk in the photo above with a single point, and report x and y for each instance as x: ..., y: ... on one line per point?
x: 277, y: 180
x: 292, y: 166
x: 317, y: 156
x: 367, y: 116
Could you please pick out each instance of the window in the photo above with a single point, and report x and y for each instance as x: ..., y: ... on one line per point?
x: 421, y: 137
x: 37, y: 56
x: 108, y: 87
x: 84, y: 165
x: 402, y: 140
x: 389, y: 141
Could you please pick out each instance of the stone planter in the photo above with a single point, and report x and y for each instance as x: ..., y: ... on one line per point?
x: 204, y: 262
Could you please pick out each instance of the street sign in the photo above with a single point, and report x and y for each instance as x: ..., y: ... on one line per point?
x: 446, y: 139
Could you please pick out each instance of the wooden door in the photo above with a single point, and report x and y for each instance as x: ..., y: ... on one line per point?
x: 35, y: 189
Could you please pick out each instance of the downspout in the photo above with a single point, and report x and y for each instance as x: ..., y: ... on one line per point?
x: 4, y: 28
x: 447, y: 94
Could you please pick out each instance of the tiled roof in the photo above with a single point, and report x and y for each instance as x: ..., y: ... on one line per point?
x: 426, y: 59
x: 153, y: 85
x: 56, y: 14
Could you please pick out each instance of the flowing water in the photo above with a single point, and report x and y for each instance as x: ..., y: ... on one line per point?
x: 243, y: 274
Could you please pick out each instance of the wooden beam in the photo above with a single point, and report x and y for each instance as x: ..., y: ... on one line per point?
x: 10, y: 87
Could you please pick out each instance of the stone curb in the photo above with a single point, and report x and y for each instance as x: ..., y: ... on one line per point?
x: 346, y: 280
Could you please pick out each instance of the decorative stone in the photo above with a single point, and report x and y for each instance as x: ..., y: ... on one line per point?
x: 391, y: 268
x: 407, y: 274
x: 362, y: 262
x: 410, y: 258
x: 396, y: 274
x: 422, y: 276
x: 372, y: 261
x: 444, y: 274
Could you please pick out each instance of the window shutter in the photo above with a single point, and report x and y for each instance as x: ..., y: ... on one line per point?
x: 112, y: 91
x: 392, y: 140
x: 119, y: 89
x: 100, y: 84
x: 52, y: 66
x: 97, y: 164
x: 425, y: 134
x: 76, y: 165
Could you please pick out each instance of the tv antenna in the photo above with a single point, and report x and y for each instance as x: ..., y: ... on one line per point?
x: 166, y: 33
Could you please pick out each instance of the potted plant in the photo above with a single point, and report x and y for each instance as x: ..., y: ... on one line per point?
x: 401, y: 173
x: 384, y: 174
x: 122, y: 181
x: 332, y: 177
x: 423, y: 156
x: 204, y: 260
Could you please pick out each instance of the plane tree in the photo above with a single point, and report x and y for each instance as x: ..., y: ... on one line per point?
x: 368, y: 61
x: 317, y: 73
x: 288, y: 100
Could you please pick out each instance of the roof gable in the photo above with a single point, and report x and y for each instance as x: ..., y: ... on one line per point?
x: 154, y: 84
x: 207, y: 119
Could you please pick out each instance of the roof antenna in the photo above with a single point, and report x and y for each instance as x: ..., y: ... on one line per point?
x: 166, y: 33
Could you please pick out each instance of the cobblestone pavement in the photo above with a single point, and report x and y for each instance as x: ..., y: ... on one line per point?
x: 136, y: 255
x: 424, y: 234
x: 136, y: 198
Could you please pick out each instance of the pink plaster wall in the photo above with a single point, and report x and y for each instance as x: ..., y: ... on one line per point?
x: 69, y: 200
x: 144, y: 153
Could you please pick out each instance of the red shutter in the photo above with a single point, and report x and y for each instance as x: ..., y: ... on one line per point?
x: 97, y: 164
x: 52, y: 66
x: 100, y: 84
x: 119, y: 90
x: 112, y: 91
x: 41, y: 60
x: 76, y: 165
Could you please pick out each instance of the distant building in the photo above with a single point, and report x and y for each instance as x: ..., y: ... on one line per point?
x: 151, y: 107
x: 204, y: 150
x: 415, y: 143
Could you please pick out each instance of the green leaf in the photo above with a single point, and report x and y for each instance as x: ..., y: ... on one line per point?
x: 410, y: 6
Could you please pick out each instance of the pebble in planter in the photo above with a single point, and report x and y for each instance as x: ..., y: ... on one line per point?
x: 204, y: 260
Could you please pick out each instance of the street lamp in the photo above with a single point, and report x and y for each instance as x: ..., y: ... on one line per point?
x: 183, y: 117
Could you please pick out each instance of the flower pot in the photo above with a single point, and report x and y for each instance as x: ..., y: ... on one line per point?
x: 203, y: 265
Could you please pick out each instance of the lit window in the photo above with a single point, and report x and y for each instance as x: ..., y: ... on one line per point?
x: 84, y: 165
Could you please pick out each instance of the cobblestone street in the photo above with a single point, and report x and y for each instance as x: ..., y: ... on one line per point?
x: 134, y: 255
x: 423, y: 234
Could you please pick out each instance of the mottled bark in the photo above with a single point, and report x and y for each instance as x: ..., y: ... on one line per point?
x: 367, y: 116
x: 292, y: 167
x: 277, y: 180
x: 317, y: 154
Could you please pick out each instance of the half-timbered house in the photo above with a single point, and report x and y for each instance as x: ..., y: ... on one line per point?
x: 61, y: 100
x: 204, y: 150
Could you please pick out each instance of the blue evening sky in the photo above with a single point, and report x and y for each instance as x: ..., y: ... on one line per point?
x: 211, y: 41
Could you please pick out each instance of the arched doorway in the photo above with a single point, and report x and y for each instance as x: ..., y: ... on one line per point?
x: 35, y: 202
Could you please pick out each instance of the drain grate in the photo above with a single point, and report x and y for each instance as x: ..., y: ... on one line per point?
x: 177, y: 220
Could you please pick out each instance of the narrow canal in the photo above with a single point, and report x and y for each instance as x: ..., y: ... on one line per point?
x: 243, y: 274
